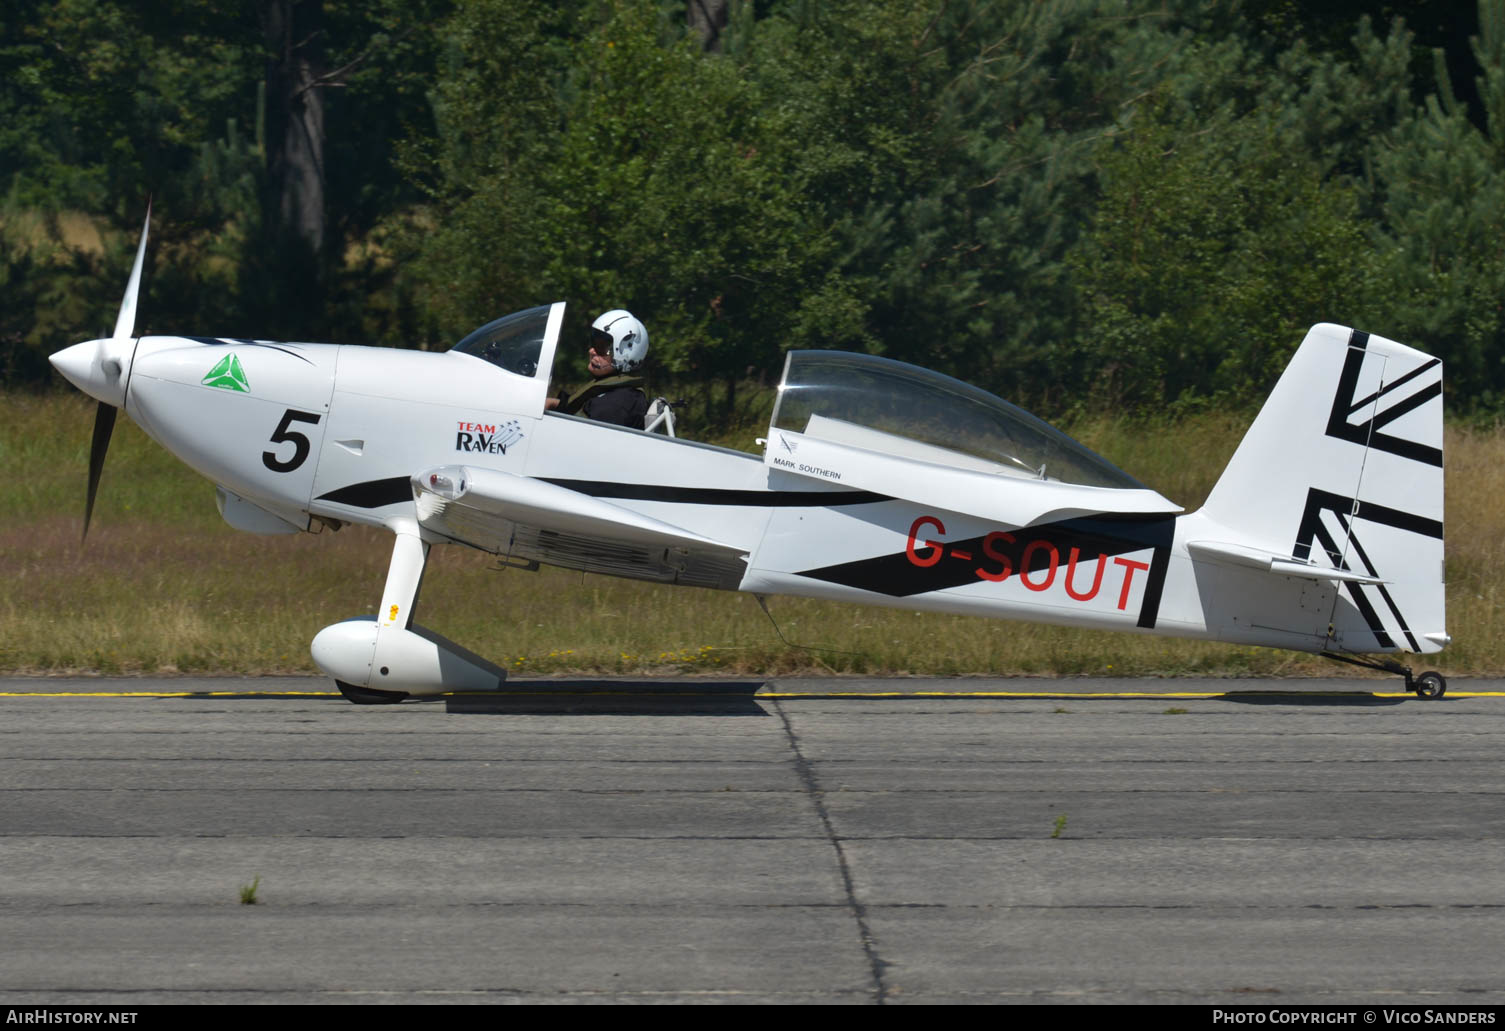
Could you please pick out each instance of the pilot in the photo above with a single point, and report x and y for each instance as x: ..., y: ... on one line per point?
x: 619, y: 343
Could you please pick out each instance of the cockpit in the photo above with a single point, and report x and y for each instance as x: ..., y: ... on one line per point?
x: 858, y: 401
x: 526, y: 341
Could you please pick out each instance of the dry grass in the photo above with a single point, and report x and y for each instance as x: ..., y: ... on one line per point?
x: 163, y: 586
x: 1475, y: 505
x: 142, y: 600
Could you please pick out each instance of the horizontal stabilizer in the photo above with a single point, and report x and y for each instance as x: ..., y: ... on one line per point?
x: 1282, y: 565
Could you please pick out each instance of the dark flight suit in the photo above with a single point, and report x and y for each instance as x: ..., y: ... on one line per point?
x: 616, y: 399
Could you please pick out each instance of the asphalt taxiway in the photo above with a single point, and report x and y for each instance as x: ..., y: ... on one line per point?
x: 1180, y: 841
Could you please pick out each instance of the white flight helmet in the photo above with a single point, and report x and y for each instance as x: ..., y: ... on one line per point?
x: 629, y: 339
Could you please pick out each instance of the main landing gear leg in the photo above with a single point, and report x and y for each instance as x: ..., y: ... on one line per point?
x: 1430, y: 684
x: 398, y: 598
x: 389, y: 658
x: 404, y: 577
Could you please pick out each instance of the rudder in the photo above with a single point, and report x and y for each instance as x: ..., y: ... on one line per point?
x: 1342, y: 469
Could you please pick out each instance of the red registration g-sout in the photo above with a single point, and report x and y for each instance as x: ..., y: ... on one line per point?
x: 1037, y: 561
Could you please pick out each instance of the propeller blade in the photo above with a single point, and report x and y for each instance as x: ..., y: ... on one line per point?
x: 104, y: 425
x: 125, y: 322
x: 110, y: 356
x: 109, y: 360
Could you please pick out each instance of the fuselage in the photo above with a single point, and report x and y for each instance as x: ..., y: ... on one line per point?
x: 879, y: 483
x: 335, y: 433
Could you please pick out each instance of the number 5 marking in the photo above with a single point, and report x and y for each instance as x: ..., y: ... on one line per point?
x: 282, y: 434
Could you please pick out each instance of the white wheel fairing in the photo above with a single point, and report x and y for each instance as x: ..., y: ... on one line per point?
x: 414, y: 661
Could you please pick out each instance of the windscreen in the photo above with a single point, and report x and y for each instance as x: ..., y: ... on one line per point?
x: 512, y: 342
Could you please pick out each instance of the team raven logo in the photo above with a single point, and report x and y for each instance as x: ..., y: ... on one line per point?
x: 487, y: 438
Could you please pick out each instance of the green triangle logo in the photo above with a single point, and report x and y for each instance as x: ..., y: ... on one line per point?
x: 228, y: 375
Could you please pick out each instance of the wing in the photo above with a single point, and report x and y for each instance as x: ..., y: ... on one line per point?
x: 537, y: 521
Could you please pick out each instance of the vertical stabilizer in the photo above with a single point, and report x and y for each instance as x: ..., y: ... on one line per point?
x: 1343, y: 469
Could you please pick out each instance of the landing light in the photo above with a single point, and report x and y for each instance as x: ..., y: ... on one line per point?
x: 444, y: 485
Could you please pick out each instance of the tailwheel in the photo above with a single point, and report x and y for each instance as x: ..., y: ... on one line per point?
x: 369, y: 696
x: 1430, y: 685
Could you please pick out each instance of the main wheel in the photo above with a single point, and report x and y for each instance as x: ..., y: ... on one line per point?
x: 1431, y: 685
x: 369, y: 696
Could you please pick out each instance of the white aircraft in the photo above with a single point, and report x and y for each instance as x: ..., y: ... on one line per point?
x: 879, y: 483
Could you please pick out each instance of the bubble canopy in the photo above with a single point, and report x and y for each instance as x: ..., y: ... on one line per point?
x: 893, y: 408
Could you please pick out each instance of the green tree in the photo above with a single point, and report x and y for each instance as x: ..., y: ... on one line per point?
x: 1443, y: 185
x: 950, y: 151
x: 1212, y: 251
x: 599, y: 156
x: 1231, y: 218
x: 103, y: 103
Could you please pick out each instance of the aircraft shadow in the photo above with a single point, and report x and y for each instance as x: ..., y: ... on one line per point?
x: 1346, y: 698
x: 601, y: 698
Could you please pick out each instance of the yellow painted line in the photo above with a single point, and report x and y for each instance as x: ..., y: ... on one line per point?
x: 167, y: 694
x: 777, y: 695
x: 1112, y: 694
